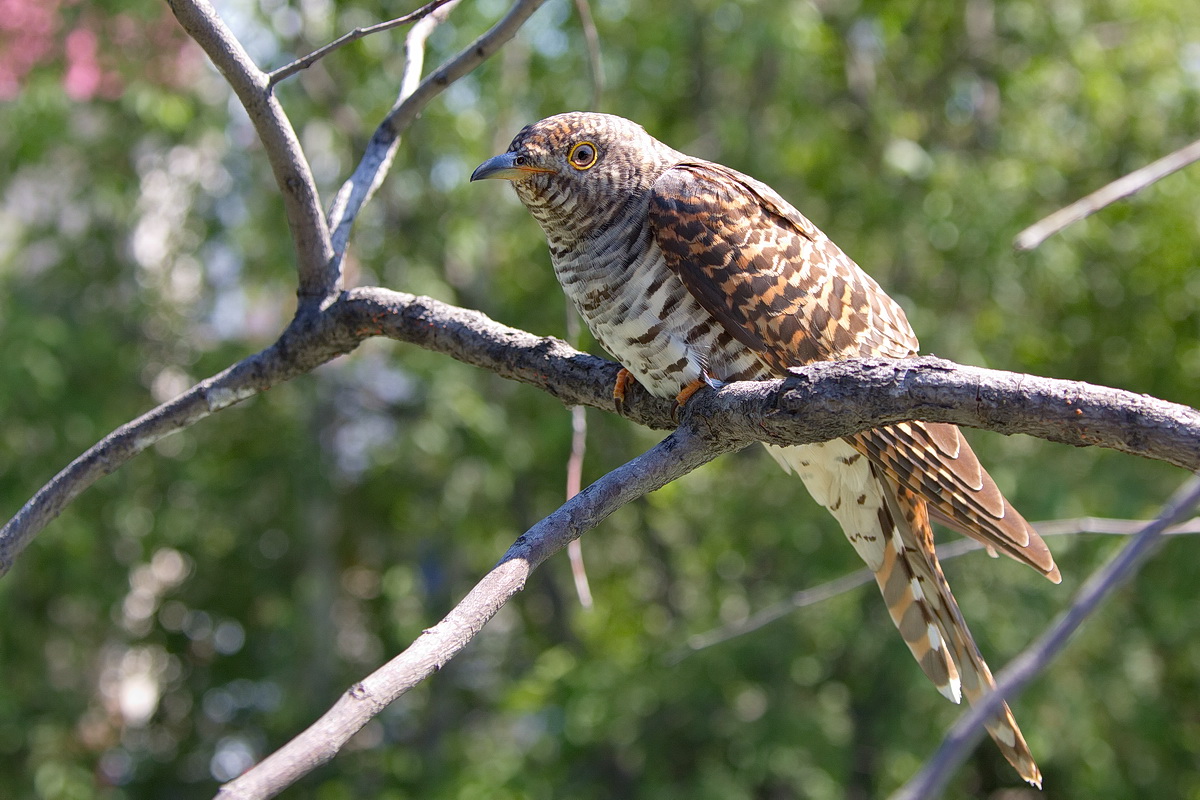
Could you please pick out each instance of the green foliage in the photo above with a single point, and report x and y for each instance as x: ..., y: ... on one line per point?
x: 191, y: 612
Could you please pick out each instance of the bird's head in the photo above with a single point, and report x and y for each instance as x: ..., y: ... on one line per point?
x: 575, y: 172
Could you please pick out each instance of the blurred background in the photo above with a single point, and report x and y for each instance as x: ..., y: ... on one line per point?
x: 190, y: 613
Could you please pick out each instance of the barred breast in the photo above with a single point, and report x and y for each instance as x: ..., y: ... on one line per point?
x: 641, y: 313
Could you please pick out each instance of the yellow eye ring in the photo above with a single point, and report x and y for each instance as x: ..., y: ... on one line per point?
x: 583, y: 156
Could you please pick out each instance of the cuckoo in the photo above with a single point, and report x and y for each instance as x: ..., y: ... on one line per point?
x: 689, y: 272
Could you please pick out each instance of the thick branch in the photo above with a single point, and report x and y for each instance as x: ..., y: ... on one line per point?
x: 675, y: 456
x: 310, y: 234
x: 821, y: 402
x: 930, y: 388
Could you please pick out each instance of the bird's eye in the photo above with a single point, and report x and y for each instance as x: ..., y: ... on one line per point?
x: 520, y: 161
x: 583, y: 156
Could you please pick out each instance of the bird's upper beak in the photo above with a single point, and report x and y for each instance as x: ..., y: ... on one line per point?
x: 504, y: 167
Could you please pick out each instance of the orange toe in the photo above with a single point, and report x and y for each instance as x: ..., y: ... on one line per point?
x: 684, y: 395
x: 625, y: 380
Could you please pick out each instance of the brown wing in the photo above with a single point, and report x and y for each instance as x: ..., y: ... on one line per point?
x: 784, y: 289
x: 933, y: 460
x: 773, y: 280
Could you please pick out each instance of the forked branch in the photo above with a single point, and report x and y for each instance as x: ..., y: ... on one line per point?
x: 303, y: 63
x: 301, y: 203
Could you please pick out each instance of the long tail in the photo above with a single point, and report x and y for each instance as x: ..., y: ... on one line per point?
x: 889, y: 527
x: 911, y: 577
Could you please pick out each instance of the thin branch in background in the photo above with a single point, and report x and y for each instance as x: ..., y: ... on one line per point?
x: 592, y: 37
x: 1107, y: 525
x: 962, y: 738
x: 574, y: 478
x: 675, y: 456
x: 575, y: 473
x: 288, y: 70
x: 764, y: 617
x: 376, y: 160
x: 945, y: 552
x: 1135, y: 181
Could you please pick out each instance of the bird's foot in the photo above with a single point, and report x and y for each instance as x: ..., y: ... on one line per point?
x: 625, y: 380
x: 685, y: 394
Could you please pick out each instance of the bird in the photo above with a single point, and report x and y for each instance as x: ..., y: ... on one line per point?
x: 691, y: 273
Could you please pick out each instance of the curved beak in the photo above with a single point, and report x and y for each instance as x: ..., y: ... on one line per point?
x: 503, y: 167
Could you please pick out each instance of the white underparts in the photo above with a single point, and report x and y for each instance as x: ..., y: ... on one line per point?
x: 840, y: 478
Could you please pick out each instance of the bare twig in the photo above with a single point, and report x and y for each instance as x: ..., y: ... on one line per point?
x: 377, y: 158
x: 932, y: 778
x: 1106, y: 526
x: 302, y: 205
x: 1135, y: 181
x: 288, y: 70
x: 765, y: 616
x: 574, y: 480
x: 579, y: 426
x: 592, y: 37
x: 405, y: 111
x: 945, y: 552
x: 675, y: 456
x: 376, y: 161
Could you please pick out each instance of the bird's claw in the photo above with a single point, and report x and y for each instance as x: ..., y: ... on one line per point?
x: 625, y: 380
x: 684, y: 395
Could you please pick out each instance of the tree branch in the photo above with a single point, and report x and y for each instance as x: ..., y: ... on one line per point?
x: 678, y: 454
x: 302, y: 205
x: 303, y: 346
x: 583, y: 589
x: 406, y: 110
x: 288, y: 70
x: 1124, y: 186
x: 376, y: 160
x: 592, y: 38
x: 820, y: 402
x: 966, y: 733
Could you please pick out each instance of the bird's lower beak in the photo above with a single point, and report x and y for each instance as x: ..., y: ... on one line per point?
x: 503, y: 167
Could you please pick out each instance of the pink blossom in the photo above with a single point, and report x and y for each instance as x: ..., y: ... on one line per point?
x: 84, y: 75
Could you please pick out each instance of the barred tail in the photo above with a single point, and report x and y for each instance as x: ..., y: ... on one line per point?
x: 911, y: 578
x: 889, y: 527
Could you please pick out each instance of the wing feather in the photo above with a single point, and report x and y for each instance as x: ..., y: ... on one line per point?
x: 934, y: 461
x: 774, y: 281
x: 781, y: 287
